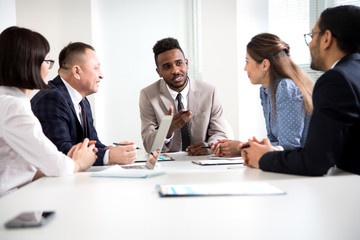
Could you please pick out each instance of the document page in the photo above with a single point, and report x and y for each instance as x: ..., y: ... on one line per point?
x: 223, y: 189
x: 118, y: 171
x: 218, y: 162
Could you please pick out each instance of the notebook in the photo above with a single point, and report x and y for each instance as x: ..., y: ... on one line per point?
x: 142, y: 170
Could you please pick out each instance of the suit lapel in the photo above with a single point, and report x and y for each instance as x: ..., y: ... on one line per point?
x: 58, y: 84
x: 194, y: 96
x: 165, y: 96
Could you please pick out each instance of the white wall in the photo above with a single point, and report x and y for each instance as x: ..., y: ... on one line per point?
x: 59, y: 21
x: 7, y: 14
x: 219, y: 41
x: 228, y: 26
x: 252, y: 19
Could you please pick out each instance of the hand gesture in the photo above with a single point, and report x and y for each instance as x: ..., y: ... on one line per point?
x: 178, y: 120
x: 197, y: 149
x: 257, y: 149
x: 226, y: 148
x: 83, y: 155
x: 123, y: 154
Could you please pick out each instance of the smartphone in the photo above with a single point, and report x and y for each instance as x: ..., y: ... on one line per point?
x: 30, y: 219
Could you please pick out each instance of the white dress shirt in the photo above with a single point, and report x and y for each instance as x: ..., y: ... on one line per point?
x: 23, y: 146
x: 184, y: 100
x: 184, y: 96
x: 76, y: 99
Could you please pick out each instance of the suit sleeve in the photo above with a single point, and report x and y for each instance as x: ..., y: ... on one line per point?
x: 334, y: 114
x: 217, y: 127
x: 55, y: 117
x: 53, y: 112
x: 149, y: 123
x: 24, y: 135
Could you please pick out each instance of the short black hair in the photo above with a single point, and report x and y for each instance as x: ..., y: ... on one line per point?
x: 22, y: 53
x: 344, y: 23
x: 164, y: 45
x: 70, y: 52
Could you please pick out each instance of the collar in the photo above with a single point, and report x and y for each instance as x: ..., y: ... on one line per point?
x: 267, y: 90
x: 184, y: 92
x: 349, y: 57
x: 335, y: 64
x: 13, y: 91
x: 74, y: 95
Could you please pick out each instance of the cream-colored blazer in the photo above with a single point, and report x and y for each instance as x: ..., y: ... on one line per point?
x: 206, y: 123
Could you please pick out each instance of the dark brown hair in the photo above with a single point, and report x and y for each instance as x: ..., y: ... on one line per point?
x: 277, y: 52
x: 22, y: 52
x: 71, y: 52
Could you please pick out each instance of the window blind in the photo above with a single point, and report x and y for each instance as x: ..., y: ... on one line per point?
x: 291, y: 19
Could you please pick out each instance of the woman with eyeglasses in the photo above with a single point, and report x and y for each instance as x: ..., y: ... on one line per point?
x: 285, y: 92
x: 26, y: 153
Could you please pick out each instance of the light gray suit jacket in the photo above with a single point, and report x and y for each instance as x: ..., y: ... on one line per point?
x: 206, y: 123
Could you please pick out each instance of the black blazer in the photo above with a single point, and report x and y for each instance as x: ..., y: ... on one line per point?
x: 55, y: 110
x: 334, y: 131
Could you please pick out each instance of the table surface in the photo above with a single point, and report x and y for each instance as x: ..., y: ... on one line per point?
x: 122, y: 208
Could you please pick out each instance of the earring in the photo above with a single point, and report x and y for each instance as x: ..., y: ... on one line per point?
x: 264, y: 72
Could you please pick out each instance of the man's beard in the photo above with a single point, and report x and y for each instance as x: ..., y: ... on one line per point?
x: 316, y: 63
x: 176, y: 86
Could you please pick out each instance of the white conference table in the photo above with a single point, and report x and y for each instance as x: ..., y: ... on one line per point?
x: 119, y: 208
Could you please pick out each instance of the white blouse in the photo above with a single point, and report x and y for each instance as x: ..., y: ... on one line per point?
x: 23, y: 146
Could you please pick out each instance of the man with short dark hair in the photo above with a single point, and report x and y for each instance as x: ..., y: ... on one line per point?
x: 64, y: 111
x: 198, y: 119
x: 333, y: 137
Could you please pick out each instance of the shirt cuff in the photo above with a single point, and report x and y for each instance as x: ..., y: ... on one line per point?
x: 106, y: 157
x: 278, y: 148
x: 167, y: 140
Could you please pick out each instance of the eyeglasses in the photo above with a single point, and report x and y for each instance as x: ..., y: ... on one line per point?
x: 49, y: 62
x: 308, y: 37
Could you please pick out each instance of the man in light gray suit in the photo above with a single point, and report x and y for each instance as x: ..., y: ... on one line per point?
x: 198, y: 120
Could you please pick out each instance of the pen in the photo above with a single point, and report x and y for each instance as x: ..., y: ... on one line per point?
x: 185, y: 111
x: 122, y: 144
x: 161, y: 158
x: 245, y: 146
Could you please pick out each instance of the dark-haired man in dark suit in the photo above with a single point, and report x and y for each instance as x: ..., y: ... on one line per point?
x: 64, y: 111
x: 333, y: 138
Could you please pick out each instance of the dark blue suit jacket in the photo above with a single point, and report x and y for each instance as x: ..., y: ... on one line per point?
x: 55, y: 110
x: 334, y: 131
